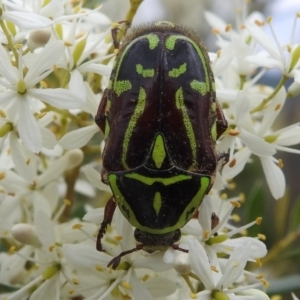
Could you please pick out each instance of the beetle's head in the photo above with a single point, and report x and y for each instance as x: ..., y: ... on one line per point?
x: 156, y: 242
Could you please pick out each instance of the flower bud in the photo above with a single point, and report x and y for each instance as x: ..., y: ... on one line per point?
x: 38, y: 38
x: 26, y: 234
x: 75, y: 158
x: 182, y: 264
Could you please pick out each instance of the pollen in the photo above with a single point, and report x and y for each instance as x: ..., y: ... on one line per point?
x: 232, y: 163
x: 235, y: 204
x: 214, y: 269
x: 228, y: 28
x: 258, y: 220
x: 118, y: 238
x: 77, y: 226
x: 126, y: 285
x: 262, y: 237
x: 99, y: 268
x: 234, y: 132
x: 259, y: 23
x: 280, y: 163
x: 2, y: 113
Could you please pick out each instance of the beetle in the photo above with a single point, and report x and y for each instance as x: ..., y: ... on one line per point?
x: 161, y: 121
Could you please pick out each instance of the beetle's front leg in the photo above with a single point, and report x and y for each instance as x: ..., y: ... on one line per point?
x: 108, y: 215
x: 222, y: 124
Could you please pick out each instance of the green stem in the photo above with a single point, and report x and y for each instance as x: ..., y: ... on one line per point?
x: 188, y: 282
x: 262, y: 105
x: 9, y: 40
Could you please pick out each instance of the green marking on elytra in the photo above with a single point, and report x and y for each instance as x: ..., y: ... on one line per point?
x: 213, y: 86
x: 200, y: 87
x: 195, y: 202
x: 187, y: 124
x: 144, y: 72
x: 213, y: 131
x: 122, y: 86
x: 139, y: 109
x: 109, y: 84
x: 157, y: 202
x: 120, y: 199
x: 107, y: 129
x: 165, y: 181
x: 170, y: 42
x: 153, y: 41
x: 214, y: 107
x: 159, y: 152
x: 176, y: 72
x: 183, y: 218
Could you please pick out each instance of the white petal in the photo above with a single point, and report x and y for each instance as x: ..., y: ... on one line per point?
x: 215, y: 22
x: 205, y: 213
x: 28, y: 128
x: 53, y: 10
x: 261, y: 37
x: 44, y: 228
x: 61, y: 98
x: 94, y: 178
x: 241, y: 157
x: 274, y: 176
x: 200, y: 263
x: 24, y: 160
x: 44, y: 61
x: 138, y: 289
x: 258, y: 248
x: 294, y: 297
x: 40, y: 203
x: 76, y: 84
x: 256, y: 144
x: 48, y: 138
x: 25, y: 20
x: 89, y: 257
x: 94, y: 216
x: 49, y: 287
x: 296, y: 74
x: 234, y: 266
x: 160, y: 287
x: 7, y: 70
x: 100, y: 69
x: 79, y: 137
x: 265, y: 62
x: 271, y: 113
x: 289, y: 137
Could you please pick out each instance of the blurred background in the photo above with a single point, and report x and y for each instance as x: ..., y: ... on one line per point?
x: 281, y: 218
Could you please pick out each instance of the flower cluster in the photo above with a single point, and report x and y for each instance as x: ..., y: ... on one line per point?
x: 55, y: 62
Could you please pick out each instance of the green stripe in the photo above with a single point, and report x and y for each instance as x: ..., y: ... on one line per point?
x: 187, y: 124
x: 165, y: 181
x: 139, y: 109
x: 186, y: 215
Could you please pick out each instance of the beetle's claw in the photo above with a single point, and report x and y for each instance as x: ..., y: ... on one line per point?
x: 114, y: 262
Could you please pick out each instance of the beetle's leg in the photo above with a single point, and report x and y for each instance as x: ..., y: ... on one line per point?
x: 115, y: 31
x: 108, y: 215
x: 221, y: 121
x: 116, y: 260
x: 176, y: 247
x: 225, y: 157
x: 102, y: 112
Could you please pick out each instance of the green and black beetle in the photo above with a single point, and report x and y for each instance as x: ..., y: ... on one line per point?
x: 161, y: 121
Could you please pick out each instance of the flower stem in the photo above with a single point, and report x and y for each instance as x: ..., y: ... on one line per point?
x: 9, y: 40
x: 271, y: 96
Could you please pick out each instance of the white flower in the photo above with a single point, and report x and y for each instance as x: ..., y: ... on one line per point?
x: 21, y: 99
x: 288, y: 63
x: 218, y: 282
